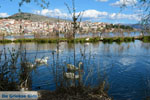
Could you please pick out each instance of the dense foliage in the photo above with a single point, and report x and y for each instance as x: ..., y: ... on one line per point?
x: 118, y: 26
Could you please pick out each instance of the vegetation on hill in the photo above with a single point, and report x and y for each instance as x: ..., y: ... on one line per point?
x: 119, y: 26
x: 33, y: 17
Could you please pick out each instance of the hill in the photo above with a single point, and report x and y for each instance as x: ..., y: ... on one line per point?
x: 33, y: 17
x: 137, y: 26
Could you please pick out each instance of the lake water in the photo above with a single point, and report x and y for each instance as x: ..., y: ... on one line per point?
x: 83, y: 35
x: 126, y: 66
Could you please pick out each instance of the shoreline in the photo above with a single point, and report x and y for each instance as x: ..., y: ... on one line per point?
x: 79, y: 40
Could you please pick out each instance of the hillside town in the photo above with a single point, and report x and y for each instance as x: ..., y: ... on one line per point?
x: 17, y: 27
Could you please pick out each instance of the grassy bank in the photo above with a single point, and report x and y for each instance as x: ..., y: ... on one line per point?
x: 5, y: 41
x: 81, y: 40
x: 118, y: 39
x: 146, y: 39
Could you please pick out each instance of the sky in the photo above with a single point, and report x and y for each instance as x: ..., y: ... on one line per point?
x: 108, y: 11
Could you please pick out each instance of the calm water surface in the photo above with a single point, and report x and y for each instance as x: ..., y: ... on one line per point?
x: 126, y: 65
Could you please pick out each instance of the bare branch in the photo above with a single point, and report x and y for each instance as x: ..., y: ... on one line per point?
x: 68, y: 8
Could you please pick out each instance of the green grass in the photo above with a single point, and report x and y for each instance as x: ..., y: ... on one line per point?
x: 129, y: 39
x: 23, y: 40
x: 79, y: 40
x: 118, y: 39
x: 5, y: 41
x: 108, y: 40
x: 146, y: 39
x: 83, y: 40
x: 95, y: 39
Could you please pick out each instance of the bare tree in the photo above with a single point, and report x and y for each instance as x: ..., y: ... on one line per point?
x: 41, y: 3
x: 144, y: 7
x: 75, y: 17
x: 75, y: 25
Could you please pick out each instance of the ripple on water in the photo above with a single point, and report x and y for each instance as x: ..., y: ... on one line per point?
x: 127, y: 61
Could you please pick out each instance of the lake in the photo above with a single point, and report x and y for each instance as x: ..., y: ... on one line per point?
x: 126, y: 66
x: 83, y: 35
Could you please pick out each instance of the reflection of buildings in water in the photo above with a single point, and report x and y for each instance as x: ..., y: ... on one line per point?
x: 98, y: 47
x: 35, y: 46
x: 45, y: 46
x: 30, y: 46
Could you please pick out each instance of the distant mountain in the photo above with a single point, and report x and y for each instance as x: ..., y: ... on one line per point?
x: 33, y: 17
x: 137, y: 26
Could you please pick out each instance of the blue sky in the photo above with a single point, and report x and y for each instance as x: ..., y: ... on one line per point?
x: 94, y: 10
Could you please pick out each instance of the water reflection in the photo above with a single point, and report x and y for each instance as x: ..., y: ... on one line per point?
x: 127, y: 61
x: 126, y: 65
x: 83, y: 35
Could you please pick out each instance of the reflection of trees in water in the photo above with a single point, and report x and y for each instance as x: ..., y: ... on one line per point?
x: 145, y: 46
x: 96, y: 45
x: 116, y: 48
x: 106, y: 48
x: 93, y: 64
x: 70, y: 46
x: 121, y: 48
x: 41, y: 46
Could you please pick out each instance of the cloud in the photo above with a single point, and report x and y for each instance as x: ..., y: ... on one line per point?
x: 94, y: 14
x: 116, y: 16
x: 58, y: 13
x: 4, y: 15
x: 98, y: 15
x: 124, y: 2
x: 52, y: 13
x: 102, y: 0
x: 90, y: 14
